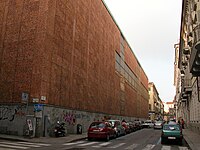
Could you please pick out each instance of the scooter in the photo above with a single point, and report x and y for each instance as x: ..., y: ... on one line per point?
x: 59, y: 129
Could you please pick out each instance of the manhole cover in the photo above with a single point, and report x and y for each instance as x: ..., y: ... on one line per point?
x: 75, y: 149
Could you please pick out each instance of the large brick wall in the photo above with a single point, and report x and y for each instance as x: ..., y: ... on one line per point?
x: 65, y: 50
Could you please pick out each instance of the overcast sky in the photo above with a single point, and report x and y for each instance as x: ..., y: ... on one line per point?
x: 151, y: 27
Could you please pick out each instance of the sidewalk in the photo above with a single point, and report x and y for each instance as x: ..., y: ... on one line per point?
x: 192, y: 138
x: 67, y: 138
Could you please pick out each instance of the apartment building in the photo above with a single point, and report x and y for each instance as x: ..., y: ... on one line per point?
x: 187, y: 69
x: 156, y: 107
x: 65, y: 61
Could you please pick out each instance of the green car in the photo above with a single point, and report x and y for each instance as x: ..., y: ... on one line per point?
x: 171, y: 132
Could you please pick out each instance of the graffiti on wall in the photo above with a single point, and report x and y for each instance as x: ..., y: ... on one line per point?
x: 69, y: 117
x: 72, y: 117
x: 9, y: 113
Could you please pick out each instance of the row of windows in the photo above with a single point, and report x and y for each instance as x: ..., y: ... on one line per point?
x: 128, y: 74
x: 124, y: 66
x: 125, y: 71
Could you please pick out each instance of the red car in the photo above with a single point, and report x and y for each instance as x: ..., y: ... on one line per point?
x: 101, y: 130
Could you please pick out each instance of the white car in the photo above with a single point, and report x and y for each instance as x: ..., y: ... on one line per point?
x: 148, y: 124
x: 158, y: 125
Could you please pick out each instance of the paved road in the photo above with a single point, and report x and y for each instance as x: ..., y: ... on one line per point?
x: 145, y: 139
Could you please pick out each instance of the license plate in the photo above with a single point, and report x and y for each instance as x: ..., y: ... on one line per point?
x: 96, y: 130
x: 172, y: 138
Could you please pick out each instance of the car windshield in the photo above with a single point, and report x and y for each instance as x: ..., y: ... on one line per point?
x: 148, y: 121
x: 158, y: 122
x: 171, y: 127
x: 97, y: 125
x: 172, y: 122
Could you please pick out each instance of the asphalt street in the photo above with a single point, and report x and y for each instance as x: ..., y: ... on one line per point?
x: 145, y: 139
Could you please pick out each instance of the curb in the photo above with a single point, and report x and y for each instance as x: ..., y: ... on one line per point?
x: 74, y: 140
x: 15, y: 139
x: 26, y: 139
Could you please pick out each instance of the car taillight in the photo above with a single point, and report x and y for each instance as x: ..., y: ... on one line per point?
x: 101, y: 129
x: 89, y: 129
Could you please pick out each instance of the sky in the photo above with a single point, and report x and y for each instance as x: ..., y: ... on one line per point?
x: 151, y: 27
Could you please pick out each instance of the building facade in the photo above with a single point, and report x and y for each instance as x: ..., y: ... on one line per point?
x: 65, y: 61
x: 156, y: 107
x: 187, y: 66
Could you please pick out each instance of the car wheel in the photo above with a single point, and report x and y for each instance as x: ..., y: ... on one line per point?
x: 107, y: 137
x: 118, y: 134
x: 115, y: 135
x: 180, y: 142
x: 162, y: 141
x: 89, y: 139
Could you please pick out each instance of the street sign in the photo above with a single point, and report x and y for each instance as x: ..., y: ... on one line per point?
x: 25, y: 97
x: 43, y: 98
x: 38, y: 107
x: 35, y: 100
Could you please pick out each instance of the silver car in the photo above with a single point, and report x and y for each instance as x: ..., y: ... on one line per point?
x: 158, y: 124
x: 117, y: 125
x: 148, y: 124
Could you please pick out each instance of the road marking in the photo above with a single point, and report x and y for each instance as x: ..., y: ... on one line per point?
x: 159, y: 141
x: 40, y: 144
x: 14, y: 146
x: 20, y: 144
x: 183, y: 148
x: 118, y: 145
x: 102, y: 145
x: 148, y: 147
x: 131, y: 147
x: 73, y: 143
x: 166, y: 147
x: 89, y: 143
x: 7, y: 149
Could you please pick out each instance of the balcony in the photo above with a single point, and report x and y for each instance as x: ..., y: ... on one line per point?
x: 194, y: 62
x: 183, y: 100
x: 187, y: 86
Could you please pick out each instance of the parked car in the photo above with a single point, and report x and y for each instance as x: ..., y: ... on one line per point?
x: 171, y: 132
x: 117, y: 126
x: 158, y: 124
x: 148, y: 124
x: 132, y: 126
x: 138, y: 124
x: 126, y: 127
x: 101, y: 130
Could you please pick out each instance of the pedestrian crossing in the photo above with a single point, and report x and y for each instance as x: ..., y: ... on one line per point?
x: 122, y: 145
x: 4, y: 145
x: 8, y: 145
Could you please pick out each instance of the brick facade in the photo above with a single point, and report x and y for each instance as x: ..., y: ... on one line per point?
x: 65, y: 51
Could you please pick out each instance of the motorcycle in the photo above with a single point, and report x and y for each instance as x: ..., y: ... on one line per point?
x: 59, y: 129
